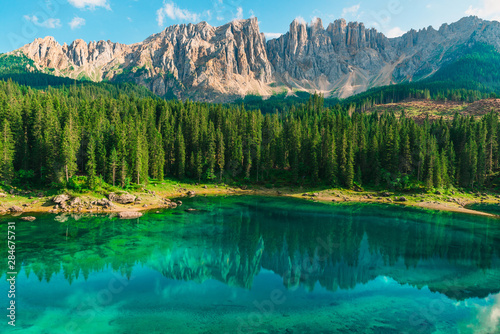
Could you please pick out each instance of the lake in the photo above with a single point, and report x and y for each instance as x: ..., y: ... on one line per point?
x: 247, y: 264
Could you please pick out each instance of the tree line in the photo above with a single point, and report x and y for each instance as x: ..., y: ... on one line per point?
x: 58, y: 136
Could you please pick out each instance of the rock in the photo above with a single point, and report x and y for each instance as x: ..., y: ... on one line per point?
x: 75, y: 201
x: 305, y: 195
x: 3, y: 195
x: 35, y: 202
x: 102, y: 202
x: 401, y: 199
x: 122, y: 199
x: 129, y: 215
x: 438, y: 192
x: 179, y: 202
x: 172, y: 205
x: 191, y: 210
x: 16, y: 208
x: 191, y: 193
x: 60, y: 199
x: 28, y: 218
x: 385, y: 194
x: 113, y: 197
x: 205, y: 187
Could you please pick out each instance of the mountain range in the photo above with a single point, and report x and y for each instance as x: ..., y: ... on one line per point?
x: 221, y: 64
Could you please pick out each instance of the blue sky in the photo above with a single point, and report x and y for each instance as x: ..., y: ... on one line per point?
x: 131, y: 21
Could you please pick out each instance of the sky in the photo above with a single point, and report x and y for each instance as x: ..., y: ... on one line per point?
x: 131, y: 21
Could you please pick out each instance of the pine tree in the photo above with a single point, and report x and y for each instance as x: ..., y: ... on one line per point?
x: 91, y: 164
x: 349, y: 177
x: 220, y: 153
x: 180, y: 157
x: 113, y: 164
x: 6, y: 152
x: 69, y: 147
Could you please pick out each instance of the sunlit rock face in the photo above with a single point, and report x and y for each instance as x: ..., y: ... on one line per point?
x: 230, y: 61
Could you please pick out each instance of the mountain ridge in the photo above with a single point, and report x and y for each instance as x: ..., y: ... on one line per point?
x: 224, y: 63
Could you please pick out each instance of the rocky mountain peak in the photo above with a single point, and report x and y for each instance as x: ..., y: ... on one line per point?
x: 221, y: 63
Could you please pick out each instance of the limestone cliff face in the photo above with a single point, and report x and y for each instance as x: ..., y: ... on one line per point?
x: 344, y: 57
x: 221, y: 63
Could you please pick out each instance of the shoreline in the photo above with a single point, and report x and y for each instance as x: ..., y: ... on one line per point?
x: 156, y: 200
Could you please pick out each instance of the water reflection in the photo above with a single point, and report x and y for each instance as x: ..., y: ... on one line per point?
x: 307, y: 244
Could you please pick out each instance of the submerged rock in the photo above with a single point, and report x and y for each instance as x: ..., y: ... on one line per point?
x: 129, y: 215
x: 28, y: 218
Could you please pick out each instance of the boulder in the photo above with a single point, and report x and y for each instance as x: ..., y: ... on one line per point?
x: 3, y: 195
x: 60, y: 199
x: 102, y: 202
x: 113, y: 197
x: 28, y: 218
x: 401, y: 199
x: 75, y: 201
x: 16, y: 208
x: 122, y: 199
x: 191, y: 193
x: 129, y: 215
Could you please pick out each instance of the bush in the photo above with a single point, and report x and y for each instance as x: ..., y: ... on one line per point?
x: 24, y: 177
x: 77, y: 183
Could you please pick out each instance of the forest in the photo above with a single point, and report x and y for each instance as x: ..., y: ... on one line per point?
x: 88, y: 136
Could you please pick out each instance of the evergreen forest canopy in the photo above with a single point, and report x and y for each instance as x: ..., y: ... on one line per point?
x: 88, y: 136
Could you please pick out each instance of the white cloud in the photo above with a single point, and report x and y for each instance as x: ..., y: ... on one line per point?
x: 90, y: 4
x: 239, y: 14
x: 489, y: 10
x: 300, y: 20
x: 395, y: 32
x: 77, y: 22
x: 272, y: 35
x: 50, y: 23
x: 353, y: 10
x: 173, y: 12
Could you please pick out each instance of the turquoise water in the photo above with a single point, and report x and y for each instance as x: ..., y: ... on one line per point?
x: 257, y: 265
